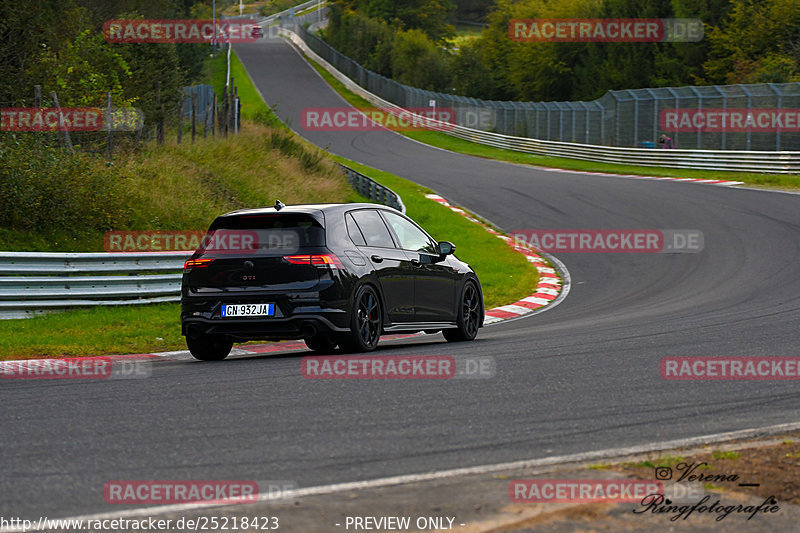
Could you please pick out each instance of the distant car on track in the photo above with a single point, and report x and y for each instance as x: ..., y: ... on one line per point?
x: 257, y: 32
x: 330, y: 274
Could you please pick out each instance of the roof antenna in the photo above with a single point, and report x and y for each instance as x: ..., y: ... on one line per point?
x: 279, y: 205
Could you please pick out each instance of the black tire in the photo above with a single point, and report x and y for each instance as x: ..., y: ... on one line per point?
x: 366, y: 322
x: 321, y: 343
x: 468, y: 315
x: 209, y: 347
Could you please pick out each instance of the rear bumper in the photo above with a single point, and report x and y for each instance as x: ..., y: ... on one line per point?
x: 296, y: 327
x: 294, y: 319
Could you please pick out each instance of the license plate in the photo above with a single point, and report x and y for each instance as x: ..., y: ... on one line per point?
x: 245, y: 310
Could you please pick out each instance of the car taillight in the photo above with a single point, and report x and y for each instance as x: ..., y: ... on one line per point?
x: 197, y: 263
x: 329, y: 260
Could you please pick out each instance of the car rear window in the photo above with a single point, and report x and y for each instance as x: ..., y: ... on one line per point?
x: 268, y: 233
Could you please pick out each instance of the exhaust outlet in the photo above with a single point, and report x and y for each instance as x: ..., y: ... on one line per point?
x: 308, y: 330
x: 193, y: 332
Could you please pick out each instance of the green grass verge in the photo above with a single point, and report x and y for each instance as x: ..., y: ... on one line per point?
x: 185, y: 186
x: 447, y: 142
x: 97, y: 331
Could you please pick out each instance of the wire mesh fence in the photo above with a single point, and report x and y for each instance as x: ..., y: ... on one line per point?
x: 717, y: 117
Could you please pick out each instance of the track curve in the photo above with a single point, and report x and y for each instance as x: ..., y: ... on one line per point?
x: 580, y: 377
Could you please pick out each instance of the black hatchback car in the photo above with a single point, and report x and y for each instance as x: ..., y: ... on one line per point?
x: 330, y: 274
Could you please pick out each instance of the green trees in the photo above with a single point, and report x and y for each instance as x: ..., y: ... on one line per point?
x: 83, y: 72
x: 367, y: 40
x: 418, y: 62
x: 758, y: 42
x: 429, y: 16
x: 59, y: 45
x: 408, y: 55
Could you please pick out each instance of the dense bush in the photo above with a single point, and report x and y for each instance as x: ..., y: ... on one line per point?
x: 43, y: 187
x: 408, y: 56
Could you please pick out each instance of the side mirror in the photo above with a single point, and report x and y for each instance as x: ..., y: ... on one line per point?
x: 446, y: 248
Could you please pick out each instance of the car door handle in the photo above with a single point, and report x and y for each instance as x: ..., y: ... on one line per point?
x: 377, y: 258
x: 416, y: 262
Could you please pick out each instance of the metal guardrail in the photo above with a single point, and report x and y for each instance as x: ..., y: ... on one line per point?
x: 733, y: 160
x: 35, y: 282
x: 369, y: 188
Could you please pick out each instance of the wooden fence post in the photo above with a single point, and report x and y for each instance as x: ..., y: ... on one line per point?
x: 180, y: 119
x: 214, y: 114
x: 64, y: 133
x: 194, y: 114
x: 223, y: 122
x: 205, y: 119
x: 37, y: 103
x: 160, y: 107
x: 108, y: 119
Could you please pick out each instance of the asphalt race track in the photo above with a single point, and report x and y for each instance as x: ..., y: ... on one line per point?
x: 582, y: 376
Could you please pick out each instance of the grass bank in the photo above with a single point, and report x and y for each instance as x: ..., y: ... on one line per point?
x: 66, y: 203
